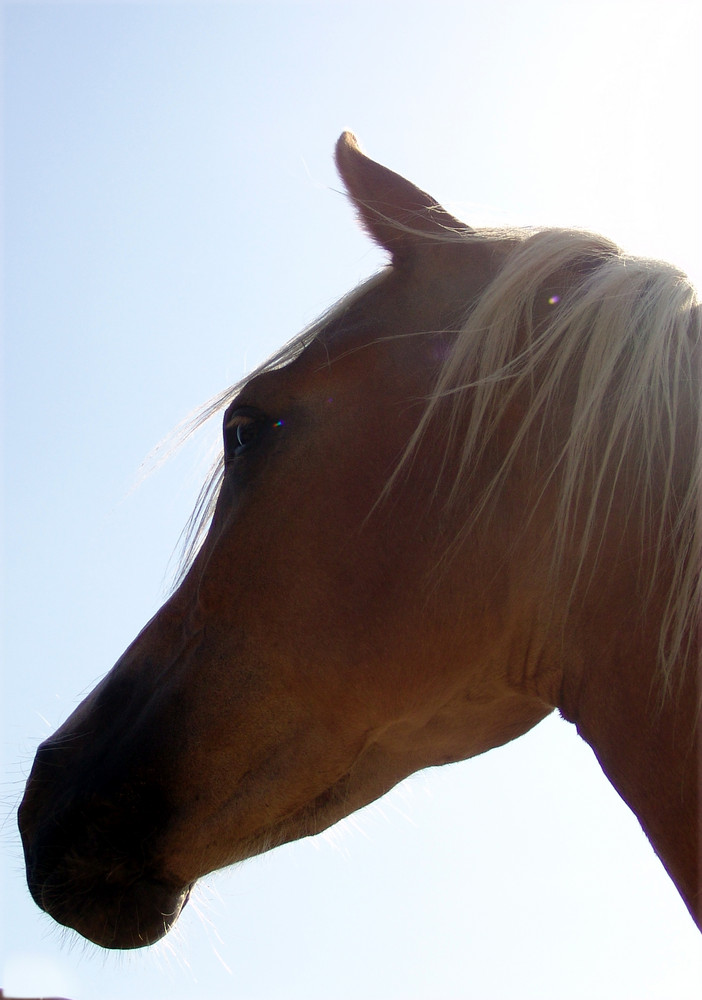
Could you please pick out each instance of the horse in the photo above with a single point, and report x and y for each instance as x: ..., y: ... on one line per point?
x: 465, y: 497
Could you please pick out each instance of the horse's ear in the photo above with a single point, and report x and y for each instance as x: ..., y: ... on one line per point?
x: 395, y: 212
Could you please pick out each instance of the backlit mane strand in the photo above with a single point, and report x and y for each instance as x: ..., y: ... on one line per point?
x: 623, y: 337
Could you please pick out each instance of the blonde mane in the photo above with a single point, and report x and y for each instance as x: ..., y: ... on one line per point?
x: 568, y: 301
x: 632, y: 330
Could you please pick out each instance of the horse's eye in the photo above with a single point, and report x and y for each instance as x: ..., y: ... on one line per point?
x: 243, y: 429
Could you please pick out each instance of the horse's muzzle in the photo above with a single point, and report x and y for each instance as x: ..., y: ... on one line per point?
x: 91, y: 852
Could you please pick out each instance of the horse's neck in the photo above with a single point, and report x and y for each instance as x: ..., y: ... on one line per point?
x: 651, y: 754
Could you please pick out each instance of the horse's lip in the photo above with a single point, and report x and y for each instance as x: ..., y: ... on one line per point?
x: 119, y: 917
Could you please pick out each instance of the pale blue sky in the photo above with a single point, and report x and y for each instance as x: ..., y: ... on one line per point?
x: 170, y: 217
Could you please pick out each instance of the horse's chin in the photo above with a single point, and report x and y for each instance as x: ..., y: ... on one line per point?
x: 117, y: 917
